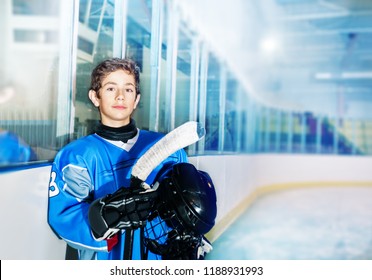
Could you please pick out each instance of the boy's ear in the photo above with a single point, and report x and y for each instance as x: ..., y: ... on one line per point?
x: 93, y: 97
x: 138, y: 97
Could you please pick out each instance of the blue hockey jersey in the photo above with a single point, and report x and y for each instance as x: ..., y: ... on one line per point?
x: 90, y: 168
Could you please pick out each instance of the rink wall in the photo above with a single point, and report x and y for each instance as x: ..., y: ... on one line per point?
x: 238, y: 179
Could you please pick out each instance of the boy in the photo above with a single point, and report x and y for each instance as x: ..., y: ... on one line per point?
x: 98, y: 165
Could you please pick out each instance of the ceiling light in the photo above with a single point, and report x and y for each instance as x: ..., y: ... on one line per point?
x: 343, y: 75
x: 269, y: 44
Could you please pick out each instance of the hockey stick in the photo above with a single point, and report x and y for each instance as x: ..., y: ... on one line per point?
x: 179, y: 138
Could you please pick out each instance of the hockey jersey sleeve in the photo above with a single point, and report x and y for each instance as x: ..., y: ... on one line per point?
x: 69, y: 199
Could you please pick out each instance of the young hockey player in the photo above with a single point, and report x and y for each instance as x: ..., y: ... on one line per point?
x: 91, y: 204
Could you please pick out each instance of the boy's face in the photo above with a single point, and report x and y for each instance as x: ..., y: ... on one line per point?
x: 117, y: 98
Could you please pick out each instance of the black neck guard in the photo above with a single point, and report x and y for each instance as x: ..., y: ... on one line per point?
x: 123, y: 133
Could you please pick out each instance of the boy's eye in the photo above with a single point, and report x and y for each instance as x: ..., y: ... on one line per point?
x: 110, y: 89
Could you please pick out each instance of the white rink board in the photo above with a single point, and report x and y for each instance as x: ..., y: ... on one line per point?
x: 26, y: 235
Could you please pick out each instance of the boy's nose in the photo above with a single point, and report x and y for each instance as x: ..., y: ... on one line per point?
x: 120, y: 95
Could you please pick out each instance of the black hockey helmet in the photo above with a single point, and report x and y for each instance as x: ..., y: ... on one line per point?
x: 187, y: 199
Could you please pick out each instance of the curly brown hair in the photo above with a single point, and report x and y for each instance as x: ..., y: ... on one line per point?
x: 111, y: 65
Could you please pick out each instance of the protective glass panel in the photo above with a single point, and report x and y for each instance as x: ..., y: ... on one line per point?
x: 183, y: 78
x: 29, y: 70
x: 213, y: 104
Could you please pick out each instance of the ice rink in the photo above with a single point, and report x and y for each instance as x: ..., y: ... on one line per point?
x: 318, y: 223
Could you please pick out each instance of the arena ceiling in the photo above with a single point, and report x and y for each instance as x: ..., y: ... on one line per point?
x: 310, y: 54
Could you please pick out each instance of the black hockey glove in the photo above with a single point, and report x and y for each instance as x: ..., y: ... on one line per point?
x: 181, y: 247
x: 127, y: 208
